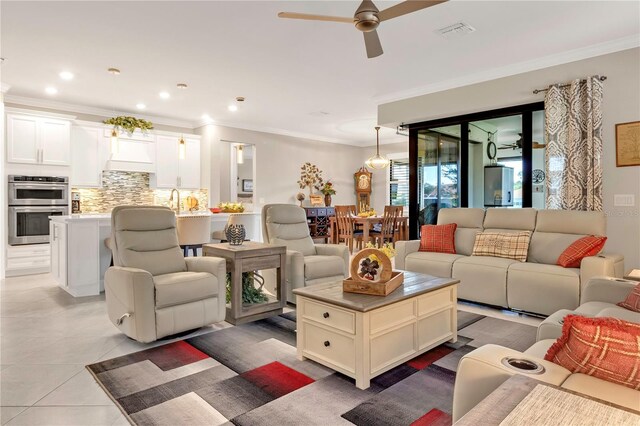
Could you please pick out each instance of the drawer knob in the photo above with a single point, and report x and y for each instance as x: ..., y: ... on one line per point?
x: 327, y: 343
x: 326, y: 315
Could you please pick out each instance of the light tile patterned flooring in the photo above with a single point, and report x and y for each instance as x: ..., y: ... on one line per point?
x: 48, y: 336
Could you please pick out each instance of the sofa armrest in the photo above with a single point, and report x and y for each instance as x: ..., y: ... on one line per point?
x: 335, y: 250
x: 294, y: 273
x: 403, y: 249
x: 215, y: 266
x: 481, y: 371
x: 131, y: 291
x: 609, y: 265
x: 606, y: 289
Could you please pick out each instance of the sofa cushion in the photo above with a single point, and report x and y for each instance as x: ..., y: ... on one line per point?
x: 604, y: 390
x: 438, y: 264
x: 606, y: 348
x: 184, y: 287
x: 497, y: 244
x: 540, y: 348
x: 514, y: 219
x: 318, y: 266
x: 469, y: 221
x: 632, y: 302
x: 482, y: 279
x: 547, y: 247
x: 438, y: 238
x: 542, y: 289
x: 286, y: 224
x: 620, y: 313
x: 583, y: 247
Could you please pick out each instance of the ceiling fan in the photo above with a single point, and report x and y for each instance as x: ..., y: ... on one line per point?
x: 518, y: 144
x: 367, y: 18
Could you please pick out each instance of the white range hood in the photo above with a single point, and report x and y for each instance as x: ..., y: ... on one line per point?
x: 136, y: 153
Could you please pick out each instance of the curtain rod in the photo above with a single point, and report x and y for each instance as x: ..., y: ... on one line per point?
x: 536, y: 91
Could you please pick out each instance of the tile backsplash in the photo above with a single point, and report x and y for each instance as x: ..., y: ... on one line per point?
x: 130, y: 188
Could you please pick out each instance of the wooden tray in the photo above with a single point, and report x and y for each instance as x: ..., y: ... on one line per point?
x: 374, y: 288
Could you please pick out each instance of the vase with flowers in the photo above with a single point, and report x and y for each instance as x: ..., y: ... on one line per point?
x: 328, y: 191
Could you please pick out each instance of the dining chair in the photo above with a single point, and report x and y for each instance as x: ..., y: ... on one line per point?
x: 389, y: 230
x: 345, y: 227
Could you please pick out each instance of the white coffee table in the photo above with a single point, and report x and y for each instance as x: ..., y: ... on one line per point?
x: 363, y: 336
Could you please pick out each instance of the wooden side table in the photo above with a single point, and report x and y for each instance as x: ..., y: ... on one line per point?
x: 249, y: 257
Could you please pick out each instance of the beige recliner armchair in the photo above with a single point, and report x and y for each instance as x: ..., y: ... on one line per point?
x: 307, y: 263
x: 153, y: 291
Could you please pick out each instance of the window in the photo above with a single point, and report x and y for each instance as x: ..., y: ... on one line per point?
x: 399, y: 183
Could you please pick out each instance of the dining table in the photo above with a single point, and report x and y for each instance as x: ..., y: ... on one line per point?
x: 367, y: 224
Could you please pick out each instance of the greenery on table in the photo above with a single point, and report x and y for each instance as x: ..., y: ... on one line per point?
x: 129, y: 124
x: 328, y: 189
x: 250, y: 293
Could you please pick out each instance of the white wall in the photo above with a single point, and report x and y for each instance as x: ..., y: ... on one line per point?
x: 621, y: 104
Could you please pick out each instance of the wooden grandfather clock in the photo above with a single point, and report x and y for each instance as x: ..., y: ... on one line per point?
x: 362, y: 179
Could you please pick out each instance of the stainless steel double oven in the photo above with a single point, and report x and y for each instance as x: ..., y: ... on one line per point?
x: 32, y: 199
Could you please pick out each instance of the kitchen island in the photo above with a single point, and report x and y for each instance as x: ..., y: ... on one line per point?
x: 79, y: 256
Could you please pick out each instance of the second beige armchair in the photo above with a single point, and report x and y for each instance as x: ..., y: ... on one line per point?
x: 307, y: 263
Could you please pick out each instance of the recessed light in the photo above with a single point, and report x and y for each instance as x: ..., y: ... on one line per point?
x: 206, y: 117
x: 114, y: 71
x: 141, y: 105
x: 181, y: 85
x: 66, y: 75
x: 232, y: 108
x: 51, y: 90
x: 240, y: 99
x: 164, y: 95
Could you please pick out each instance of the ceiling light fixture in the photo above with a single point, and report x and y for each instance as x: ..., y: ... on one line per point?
x: 182, y: 86
x: 51, y: 90
x: 377, y: 161
x: 232, y: 108
x: 114, y: 71
x: 140, y: 105
x: 66, y: 75
x: 240, y: 155
x: 164, y: 95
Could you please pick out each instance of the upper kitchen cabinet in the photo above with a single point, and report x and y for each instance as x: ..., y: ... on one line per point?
x: 89, y: 151
x: 38, y: 139
x: 173, y: 172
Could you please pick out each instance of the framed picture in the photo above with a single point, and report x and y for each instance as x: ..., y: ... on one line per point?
x: 247, y: 185
x: 628, y: 144
x: 316, y: 200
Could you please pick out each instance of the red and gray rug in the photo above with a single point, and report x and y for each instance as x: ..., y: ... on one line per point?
x: 249, y: 375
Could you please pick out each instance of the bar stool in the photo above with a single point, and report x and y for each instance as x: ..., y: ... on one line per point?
x: 193, y: 232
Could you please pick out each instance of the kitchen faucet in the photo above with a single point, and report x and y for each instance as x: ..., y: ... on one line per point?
x: 177, y: 209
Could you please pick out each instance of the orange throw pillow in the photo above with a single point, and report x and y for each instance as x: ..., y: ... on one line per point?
x: 606, y: 348
x: 438, y: 238
x: 579, y: 249
x: 632, y: 302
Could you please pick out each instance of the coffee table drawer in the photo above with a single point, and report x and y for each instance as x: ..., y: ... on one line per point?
x: 329, y: 346
x: 330, y: 316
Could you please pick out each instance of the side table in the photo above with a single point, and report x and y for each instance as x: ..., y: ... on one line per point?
x: 249, y: 257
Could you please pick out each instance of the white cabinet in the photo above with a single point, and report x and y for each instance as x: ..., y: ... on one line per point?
x: 33, y: 139
x: 88, y: 154
x: 58, y: 232
x: 27, y: 259
x: 173, y: 172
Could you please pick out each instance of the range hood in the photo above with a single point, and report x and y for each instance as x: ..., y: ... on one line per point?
x: 136, y: 153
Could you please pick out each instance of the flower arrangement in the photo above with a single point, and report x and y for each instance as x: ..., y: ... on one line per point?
x: 327, y: 189
x: 310, y: 176
x: 129, y: 124
x: 368, y: 213
x: 387, y: 249
x: 231, y: 207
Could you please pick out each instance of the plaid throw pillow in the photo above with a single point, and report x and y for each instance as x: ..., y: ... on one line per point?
x: 632, y: 302
x: 438, y: 238
x: 513, y: 245
x: 606, y: 348
x: 579, y: 249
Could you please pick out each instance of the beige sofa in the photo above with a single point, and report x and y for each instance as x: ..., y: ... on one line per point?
x: 537, y: 285
x: 481, y: 371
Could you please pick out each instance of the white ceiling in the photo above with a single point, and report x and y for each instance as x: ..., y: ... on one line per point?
x: 289, y: 71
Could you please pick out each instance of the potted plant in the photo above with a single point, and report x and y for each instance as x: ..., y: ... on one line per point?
x: 129, y: 124
x: 328, y: 191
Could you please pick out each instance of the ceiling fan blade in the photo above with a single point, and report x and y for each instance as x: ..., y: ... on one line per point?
x: 294, y: 15
x: 406, y: 7
x: 372, y: 43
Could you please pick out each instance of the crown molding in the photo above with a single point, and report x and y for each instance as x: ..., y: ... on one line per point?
x: 82, y: 109
x: 517, y: 68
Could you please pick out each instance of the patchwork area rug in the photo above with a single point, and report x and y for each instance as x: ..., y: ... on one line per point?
x: 249, y: 375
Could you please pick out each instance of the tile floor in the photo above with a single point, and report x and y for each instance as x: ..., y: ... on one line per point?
x: 48, y: 336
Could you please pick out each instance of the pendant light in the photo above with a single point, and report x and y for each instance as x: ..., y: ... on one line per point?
x: 182, y: 148
x: 115, y: 144
x: 377, y: 161
x: 240, y: 155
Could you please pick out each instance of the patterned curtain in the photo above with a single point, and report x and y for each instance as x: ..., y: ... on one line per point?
x: 573, y: 115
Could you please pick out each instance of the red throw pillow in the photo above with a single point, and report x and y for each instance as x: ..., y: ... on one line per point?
x: 579, y: 249
x: 632, y: 302
x: 606, y: 348
x: 438, y: 238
